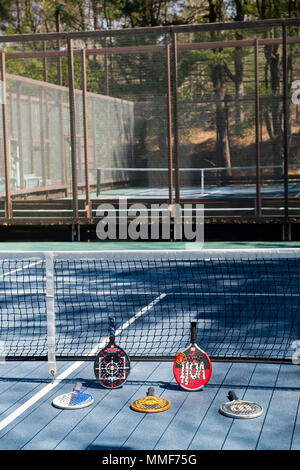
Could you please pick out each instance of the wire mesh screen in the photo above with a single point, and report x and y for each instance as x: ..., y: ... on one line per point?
x: 35, y: 134
x: 134, y: 69
x: 39, y: 136
x: 110, y: 134
x: 216, y: 117
x: 218, y: 109
x: 38, y: 128
x: 293, y: 51
x: 220, y: 90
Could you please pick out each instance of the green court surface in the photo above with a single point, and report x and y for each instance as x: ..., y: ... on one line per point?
x: 230, y: 191
x: 128, y: 246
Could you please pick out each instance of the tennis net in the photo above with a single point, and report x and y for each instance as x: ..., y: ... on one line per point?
x: 245, y: 303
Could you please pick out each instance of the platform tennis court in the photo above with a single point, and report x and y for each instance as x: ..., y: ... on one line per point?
x: 193, y: 422
x: 111, y: 138
x: 243, y: 191
x: 206, y: 183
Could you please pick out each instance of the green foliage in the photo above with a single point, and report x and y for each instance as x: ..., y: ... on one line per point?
x: 138, y: 76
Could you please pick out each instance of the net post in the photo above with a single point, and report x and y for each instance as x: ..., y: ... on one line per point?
x: 202, y: 180
x: 50, y: 309
x: 98, y: 182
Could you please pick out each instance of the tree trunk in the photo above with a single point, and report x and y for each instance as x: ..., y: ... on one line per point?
x: 222, y: 146
x: 239, y: 86
x: 274, y: 107
x: 239, y: 65
x: 218, y: 74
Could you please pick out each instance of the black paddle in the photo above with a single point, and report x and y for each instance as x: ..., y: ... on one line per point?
x: 112, y: 363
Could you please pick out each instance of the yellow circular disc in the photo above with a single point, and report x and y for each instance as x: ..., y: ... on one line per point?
x: 150, y: 404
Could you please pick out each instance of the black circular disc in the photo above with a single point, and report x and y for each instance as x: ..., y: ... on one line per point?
x: 112, y: 367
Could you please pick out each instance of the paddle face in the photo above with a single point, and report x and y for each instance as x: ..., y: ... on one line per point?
x: 240, y: 408
x: 112, y: 366
x: 150, y: 403
x: 112, y: 363
x: 73, y: 400
x: 192, y: 368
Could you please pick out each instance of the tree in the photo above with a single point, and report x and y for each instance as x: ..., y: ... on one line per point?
x: 272, y: 108
x: 218, y: 76
x: 5, y: 13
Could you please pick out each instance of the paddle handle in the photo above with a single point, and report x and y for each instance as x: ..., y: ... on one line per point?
x: 112, y: 328
x: 232, y: 395
x: 77, y: 387
x: 193, y: 332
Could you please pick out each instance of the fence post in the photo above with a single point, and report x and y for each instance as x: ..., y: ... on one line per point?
x: 175, y: 116
x: 73, y: 128
x: 169, y: 120
x: 257, y: 132
x: 8, y: 205
x: 85, y: 137
x: 45, y: 62
x: 285, y: 124
x: 106, y: 69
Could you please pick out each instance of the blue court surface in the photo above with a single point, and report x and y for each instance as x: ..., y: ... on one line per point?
x: 28, y: 421
x: 193, y: 422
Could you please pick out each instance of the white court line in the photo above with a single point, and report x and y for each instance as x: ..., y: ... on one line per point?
x: 48, y: 388
x: 202, y: 293
x: 20, y: 269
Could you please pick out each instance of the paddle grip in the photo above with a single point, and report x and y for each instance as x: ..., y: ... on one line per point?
x: 112, y: 328
x: 193, y: 332
x: 232, y: 395
x: 77, y: 387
